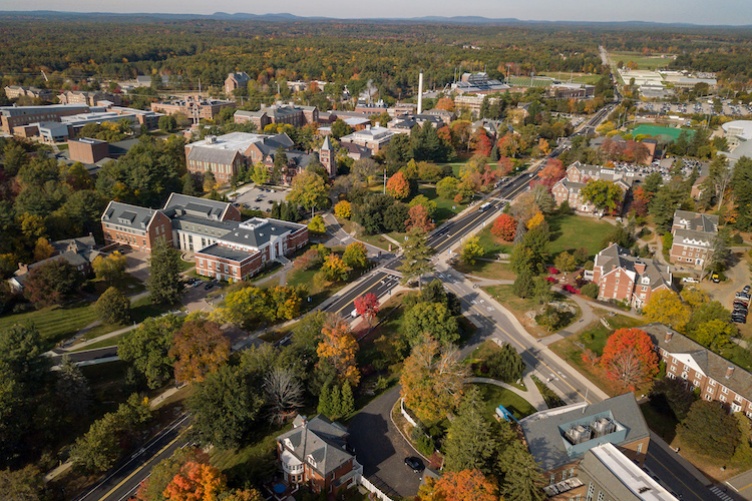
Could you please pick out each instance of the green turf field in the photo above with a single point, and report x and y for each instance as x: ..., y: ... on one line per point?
x: 657, y: 130
x: 643, y: 62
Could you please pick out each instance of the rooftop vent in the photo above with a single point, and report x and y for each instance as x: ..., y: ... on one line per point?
x: 579, y: 434
x: 603, y: 426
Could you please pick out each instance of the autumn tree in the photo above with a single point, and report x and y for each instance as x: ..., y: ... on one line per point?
x: 164, y: 273
x: 665, y: 307
x: 552, y: 173
x: 465, y: 485
x: 343, y: 209
x: 110, y: 268
x: 535, y: 221
x: 480, y: 143
x: 308, y: 190
x: 419, y: 218
x: 355, y: 255
x: 604, y: 195
x: 504, y: 228
x: 52, y: 283
x: 317, y: 225
x: 43, y: 249
x: 147, y: 349
x: 163, y: 472
x: 565, y: 262
x: 25, y: 484
x: 367, y: 306
x: 199, y: 347
x: 113, y: 307
x: 335, y: 269
x: 629, y: 357
x: 432, y: 380
x: 398, y: 187
x: 447, y: 188
x: 195, y: 482
x: 445, y: 103
x: 339, y: 348
x: 471, y: 251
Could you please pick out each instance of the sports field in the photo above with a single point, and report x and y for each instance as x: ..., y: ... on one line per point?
x: 657, y: 130
x: 643, y: 62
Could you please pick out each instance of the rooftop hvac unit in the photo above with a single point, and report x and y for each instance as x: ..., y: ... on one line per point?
x: 579, y: 434
x: 603, y: 426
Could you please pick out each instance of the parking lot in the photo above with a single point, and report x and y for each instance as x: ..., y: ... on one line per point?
x: 699, y: 107
x: 259, y: 198
x: 737, y: 276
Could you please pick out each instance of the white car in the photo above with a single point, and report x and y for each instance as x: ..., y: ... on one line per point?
x: 690, y: 280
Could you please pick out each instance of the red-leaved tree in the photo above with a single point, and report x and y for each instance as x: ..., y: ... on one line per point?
x: 367, y: 306
x: 504, y: 227
x: 397, y: 186
x: 419, y: 218
x: 629, y: 357
x: 195, y: 482
x: 551, y: 173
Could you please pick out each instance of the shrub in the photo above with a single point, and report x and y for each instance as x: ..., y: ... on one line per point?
x: 590, y: 290
x: 423, y: 442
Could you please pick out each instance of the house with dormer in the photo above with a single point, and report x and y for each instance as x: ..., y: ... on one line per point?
x: 134, y: 226
x: 314, y: 453
x: 578, y: 175
x: 703, y: 370
x: 623, y: 277
x: 694, y: 239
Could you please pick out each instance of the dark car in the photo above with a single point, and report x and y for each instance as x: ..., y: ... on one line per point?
x: 746, y: 289
x: 415, y: 464
x: 208, y: 285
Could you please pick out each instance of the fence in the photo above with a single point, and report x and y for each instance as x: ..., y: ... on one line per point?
x: 373, y: 489
x: 406, y: 414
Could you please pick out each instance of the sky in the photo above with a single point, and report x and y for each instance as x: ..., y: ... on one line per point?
x: 730, y: 12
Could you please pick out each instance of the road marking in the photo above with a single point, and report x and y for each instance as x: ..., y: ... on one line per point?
x: 375, y: 285
x: 673, y: 475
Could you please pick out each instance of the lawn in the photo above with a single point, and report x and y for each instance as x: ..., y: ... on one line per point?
x: 54, y: 323
x: 643, y: 62
x: 254, y: 463
x: 570, y: 232
x: 376, y: 240
x: 481, y: 354
x: 584, y: 78
x: 487, y: 269
x: 493, y: 396
x: 672, y: 133
x: 491, y: 245
x: 521, y: 307
x: 445, y: 209
x: 595, y: 335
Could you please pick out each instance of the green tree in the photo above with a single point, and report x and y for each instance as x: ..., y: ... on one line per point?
x: 260, y: 174
x: 432, y: 319
x: 741, y: 188
x: 470, y: 442
x: 602, y: 194
x: 110, y: 268
x: 25, y: 484
x: 710, y: 430
x: 113, y: 307
x: 471, y: 251
x: 309, y: 191
x: 168, y: 123
x: 670, y: 395
x: 416, y: 255
x: 72, y: 390
x: 356, y: 255
x: 721, y: 250
x: 447, y: 188
x: 505, y: 364
x: 565, y: 262
x: 524, y: 284
x: 317, y: 225
x: 147, y: 349
x: 522, y: 477
x: 164, y: 273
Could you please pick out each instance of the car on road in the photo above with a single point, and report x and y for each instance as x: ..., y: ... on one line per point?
x: 415, y: 464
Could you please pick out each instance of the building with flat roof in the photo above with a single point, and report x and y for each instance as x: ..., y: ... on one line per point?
x: 87, y: 98
x: 373, y: 138
x: 293, y: 114
x: 88, y: 150
x: 478, y: 83
x: 15, y: 116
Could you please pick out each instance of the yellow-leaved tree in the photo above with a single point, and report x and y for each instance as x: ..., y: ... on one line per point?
x: 339, y: 348
x: 665, y: 306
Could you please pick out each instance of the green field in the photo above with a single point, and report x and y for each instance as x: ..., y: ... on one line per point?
x: 493, y: 396
x: 54, y: 323
x: 583, y: 78
x: 671, y: 133
x: 570, y: 232
x: 643, y: 62
x: 526, y: 82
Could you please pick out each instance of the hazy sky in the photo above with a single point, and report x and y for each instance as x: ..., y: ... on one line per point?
x: 686, y: 11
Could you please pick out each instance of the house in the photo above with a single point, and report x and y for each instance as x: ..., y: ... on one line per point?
x: 78, y: 252
x: 559, y: 438
x: 709, y: 373
x: 373, y: 138
x: 578, y: 175
x: 623, y: 277
x: 314, y: 453
x: 607, y: 474
x: 238, y: 80
x: 694, y: 239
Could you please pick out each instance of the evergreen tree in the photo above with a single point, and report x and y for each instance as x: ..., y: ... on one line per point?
x: 347, y: 400
x: 470, y: 443
x: 72, y: 390
x: 164, y: 273
x: 416, y: 256
x: 113, y: 307
x: 523, y: 480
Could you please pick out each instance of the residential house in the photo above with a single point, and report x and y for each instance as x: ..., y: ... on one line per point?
x: 373, y: 138
x: 78, y: 252
x: 237, y: 80
x: 578, y: 175
x: 314, y: 453
x: 559, y: 438
x: 623, y: 277
x: 714, y: 377
x: 694, y: 239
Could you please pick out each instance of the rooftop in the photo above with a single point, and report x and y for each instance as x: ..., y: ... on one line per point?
x: 222, y: 252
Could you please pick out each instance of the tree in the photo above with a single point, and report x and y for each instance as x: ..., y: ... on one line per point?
x: 339, y: 348
x: 465, y: 485
x: 365, y: 169
x: 243, y: 495
x: 43, y: 249
x: 471, y: 251
x: 432, y: 380
x: 113, y: 307
x: 629, y: 357
x: 602, y: 194
x: 524, y: 284
x: 672, y: 395
x: 225, y: 406
x: 199, y: 348
x: 419, y: 218
x: 168, y: 123
x: 336, y: 402
x: 335, y: 269
x: 367, y: 306
x: 260, y: 174
x: 665, y: 307
x: 741, y: 188
x: 284, y: 394
x: 343, y: 209
x: 470, y: 442
x: 25, y: 484
x: 52, y: 283
x: 423, y: 200
x: 535, y: 221
x: 428, y: 318
x: 72, y: 390
x: 340, y: 128
x: 415, y: 256
x: 715, y: 334
x: 195, y: 482
x: 110, y: 269
x: 163, y: 472
x: 398, y: 187
x: 309, y: 191
x: 504, y: 227
x: 721, y: 250
x: 710, y: 430
x: 552, y: 173
x: 164, y: 273
x: 317, y: 225
x: 505, y: 364
x: 356, y: 255
x: 447, y: 188
x: 523, y: 479
x: 147, y: 349
x: 565, y: 262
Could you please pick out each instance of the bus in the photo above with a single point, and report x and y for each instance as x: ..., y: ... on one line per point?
x: 485, y: 206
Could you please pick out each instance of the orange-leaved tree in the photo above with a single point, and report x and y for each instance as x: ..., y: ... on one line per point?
x: 367, y: 306
x: 418, y: 217
x: 464, y: 485
x: 629, y: 357
x: 335, y: 269
x: 552, y: 172
x: 195, y: 482
x: 199, y: 347
x: 504, y: 227
x: 398, y: 187
x: 339, y: 348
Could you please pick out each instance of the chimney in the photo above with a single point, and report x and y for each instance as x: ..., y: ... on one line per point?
x: 420, y: 93
x: 639, y: 267
x: 668, y: 337
x: 729, y: 371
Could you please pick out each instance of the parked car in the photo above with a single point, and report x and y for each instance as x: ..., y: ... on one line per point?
x: 209, y: 285
x: 689, y: 280
x: 415, y: 464
x: 716, y: 278
x: 739, y: 320
x: 746, y: 289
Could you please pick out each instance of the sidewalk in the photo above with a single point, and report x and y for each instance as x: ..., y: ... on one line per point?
x: 532, y: 395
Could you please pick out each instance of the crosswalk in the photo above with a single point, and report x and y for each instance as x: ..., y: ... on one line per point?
x: 718, y: 492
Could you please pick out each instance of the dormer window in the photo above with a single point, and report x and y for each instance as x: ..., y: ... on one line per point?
x: 288, y: 444
x: 311, y: 461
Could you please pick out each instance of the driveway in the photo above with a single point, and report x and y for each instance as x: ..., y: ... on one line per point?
x: 737, y: 276
x: 381, y: 449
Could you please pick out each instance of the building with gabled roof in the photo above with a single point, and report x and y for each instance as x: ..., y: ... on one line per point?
x: 236, y: 80
x: 694, y: 239
x: 712, y: 375
x: 623, y: 277
x: 578, y: 175
x: 314, y: 453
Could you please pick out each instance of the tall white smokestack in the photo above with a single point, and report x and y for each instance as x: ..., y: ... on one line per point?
x: 420, y: 93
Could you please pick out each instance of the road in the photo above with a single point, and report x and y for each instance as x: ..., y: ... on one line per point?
x: 125, y: 479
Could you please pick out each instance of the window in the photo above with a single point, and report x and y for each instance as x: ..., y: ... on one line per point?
x: 601, y: 496
x: 722, y: 399
x: 724, y: 390
x: 712, y: 382
x: 639, y: 448
x: 708, y: 398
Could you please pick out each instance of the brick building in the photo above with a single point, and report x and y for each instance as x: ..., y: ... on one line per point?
x: 87, y: 150
x: 373, y: 138
x: 16, y: 91
x: 194, y: 107
x: 237, y: 80
x: 314, y: 453
x: 578, y: 175
x: 290, y: 113
x: 134, y: 226
x: 559, y: 438
x: 715, y: 377
x: 623, y: 277
x: 694, y: 239
x: 19, y: 116
x: 87, y: 98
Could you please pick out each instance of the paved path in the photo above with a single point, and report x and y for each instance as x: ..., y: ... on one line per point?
x: 532, y: 395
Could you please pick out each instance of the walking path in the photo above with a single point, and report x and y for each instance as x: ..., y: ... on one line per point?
x: 532, y: 395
